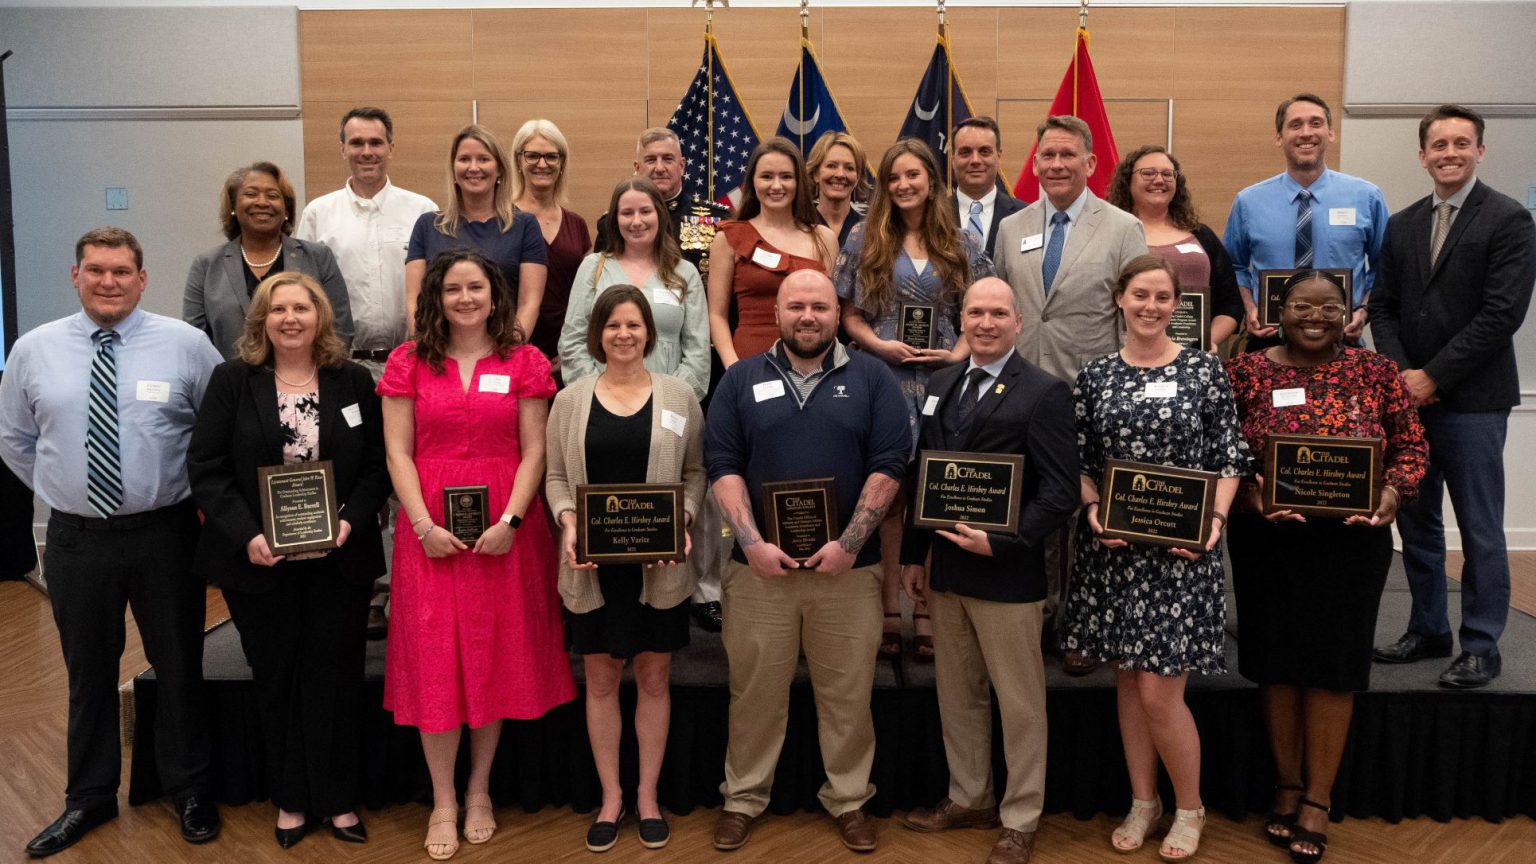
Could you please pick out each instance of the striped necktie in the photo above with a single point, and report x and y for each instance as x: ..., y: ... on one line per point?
x: 103, y: 456
x: 1303, y: 230
x: 1443, y: 212
x: 975, y: 223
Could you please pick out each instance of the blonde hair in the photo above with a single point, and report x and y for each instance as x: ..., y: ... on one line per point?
x: 819, y: 152
x: 448, y: 218
x: 549, y: 132
x: 256, y: 349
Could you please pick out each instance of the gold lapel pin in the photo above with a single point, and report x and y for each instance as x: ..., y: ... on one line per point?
x: 998, y: 391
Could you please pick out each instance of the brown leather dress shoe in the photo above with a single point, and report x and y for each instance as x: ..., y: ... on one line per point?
x: 1014, y: 847
x: 1077, y: 663
x: 947, y: 814
x: 732, y: 830
x: 857, y: 831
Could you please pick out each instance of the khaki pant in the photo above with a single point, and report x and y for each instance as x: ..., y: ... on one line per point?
x: 977, y: 641
x: 711, y: 553
x: 836, y: 621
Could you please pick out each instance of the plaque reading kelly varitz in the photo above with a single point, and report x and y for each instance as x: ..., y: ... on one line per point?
x: 979, y: 489
x: 630, y: 523
x: 916, y: 325
x: 298, y: 506
x: 800, y: 516
x: 1319, y: 475
x: 1272, y: 285
x: 466, y: 512
x: 1157, y: 505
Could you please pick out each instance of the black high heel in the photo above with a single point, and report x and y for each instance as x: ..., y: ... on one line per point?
x: 1314, y: 838
x: 288, y: 837
x: 1275, y: 819
x: 350, y: 833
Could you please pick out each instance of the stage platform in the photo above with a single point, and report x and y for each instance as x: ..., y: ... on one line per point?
x: 1415, y: 749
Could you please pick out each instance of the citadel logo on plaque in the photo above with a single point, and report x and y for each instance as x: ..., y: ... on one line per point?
x: 1156, y: 504
x: 979, y: 489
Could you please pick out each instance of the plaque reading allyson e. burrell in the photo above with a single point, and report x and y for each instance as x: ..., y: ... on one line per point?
x: 979, y: 489
x: 1156, y: 504
x: 630, y: 523
x: 800, y: 516
x: 298, y: 506
x: 466, y: 512
x: 1320, y: 475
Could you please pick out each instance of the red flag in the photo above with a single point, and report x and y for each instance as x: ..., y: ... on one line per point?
x: 1079, y: 96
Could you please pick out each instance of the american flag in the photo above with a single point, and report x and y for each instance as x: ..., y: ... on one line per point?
x: 723, y: 138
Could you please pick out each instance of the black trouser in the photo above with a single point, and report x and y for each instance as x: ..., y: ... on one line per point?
x: 94, y: 568
x: 306, y: 640
x: 18, y: 550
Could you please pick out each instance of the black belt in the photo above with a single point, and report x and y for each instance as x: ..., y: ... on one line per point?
x: 377, y: 355
x: 126, y: 522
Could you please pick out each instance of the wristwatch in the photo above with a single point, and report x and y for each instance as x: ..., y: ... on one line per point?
x: 511, y: 521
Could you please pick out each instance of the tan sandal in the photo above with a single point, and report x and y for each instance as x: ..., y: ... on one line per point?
x: 1132, y: 833
x: 1183, y: 839
x: 478, y: 829
x: 442, y: 830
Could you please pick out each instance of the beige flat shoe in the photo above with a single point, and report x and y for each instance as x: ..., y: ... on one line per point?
x: 442, y: 833
x: 479, y: 818
x: 1132, y: 833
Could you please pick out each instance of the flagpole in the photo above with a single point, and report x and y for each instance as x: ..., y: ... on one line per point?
x: 805, y: 39
x: 709, y: 90
x: 1081, y: 37
x: 949, y: 92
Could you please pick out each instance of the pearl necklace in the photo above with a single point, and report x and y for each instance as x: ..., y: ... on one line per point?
x: 267, y: 263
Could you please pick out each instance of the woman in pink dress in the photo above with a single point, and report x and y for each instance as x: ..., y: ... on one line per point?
x: 475, y: 633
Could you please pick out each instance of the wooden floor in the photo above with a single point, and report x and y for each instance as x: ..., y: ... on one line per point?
x: 33, y: 699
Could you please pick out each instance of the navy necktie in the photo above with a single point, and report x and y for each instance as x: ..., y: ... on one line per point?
x: 1303, y: 230
x: 970, y: 394
x: 1052, y: 260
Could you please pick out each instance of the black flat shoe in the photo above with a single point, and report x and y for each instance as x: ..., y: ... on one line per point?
x: 710, y: 616
x: 288, y: 837
x: 654, y: 833
x: 1470, y: 671
x: 350, y: 833
x: 1412, y: 647
x: 199, y: 818
x: 67, y: 830
x: 602, y: 835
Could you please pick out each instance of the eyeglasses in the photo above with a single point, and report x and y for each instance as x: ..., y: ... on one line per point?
x: 1150, y: 174
x: 533, y: 158
x: 1308, y: 310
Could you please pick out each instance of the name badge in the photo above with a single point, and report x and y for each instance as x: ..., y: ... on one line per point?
x: 930, y: 406
x: 765, y: 258
x: 1190, y: 248
x: 1161, y: 390
x: 768, y: 390
x: 353, y: 415
x: 1033, y: 241
x: 1341, y: 215
x: 674, y: 421
x: 154, y: 391
x: 1289, y: 396
x: 664, y: 297
x: 495, y: 384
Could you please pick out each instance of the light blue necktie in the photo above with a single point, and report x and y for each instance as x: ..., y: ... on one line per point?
x: 975, y: 223
x: 103, y: 459
x: 1053, y: 249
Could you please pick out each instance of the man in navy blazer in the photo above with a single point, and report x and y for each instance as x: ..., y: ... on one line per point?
x: 980, y: 202
x: 1457, y: 268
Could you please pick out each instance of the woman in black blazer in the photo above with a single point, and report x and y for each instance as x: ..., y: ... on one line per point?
x: 291, y: 396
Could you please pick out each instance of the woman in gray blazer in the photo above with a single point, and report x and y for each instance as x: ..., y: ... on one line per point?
x: 256, y: 211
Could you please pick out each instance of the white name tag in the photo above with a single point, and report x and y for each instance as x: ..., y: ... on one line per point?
x: 664, y: 297
x: 154, y: 391
x: 1289, y: 396
x: 673, y: 421
x: 768, y: 390
x: 1341, y: 215
x: 1190, y: 248
x: 765, y: 258
x: 1033, y: 241
x: 495, y: 384
x: 930, y: 406
x: 353, y: 415
x: 1161, y: 390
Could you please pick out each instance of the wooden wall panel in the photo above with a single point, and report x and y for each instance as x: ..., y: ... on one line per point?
x: 422, y: 133
x: 522, y: 54
x: 376, y: 56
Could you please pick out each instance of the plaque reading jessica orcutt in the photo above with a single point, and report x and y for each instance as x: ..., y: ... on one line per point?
x: 1189, y: 325
x: 466, y: 512
x: 1319, y: 475
x: 630, y: 523
x: 1273, y: 284
x: 979, y: 489
x: 298, y: 506
x: 800, y: 516
x: 1157, y: 505
x: 916, y: 325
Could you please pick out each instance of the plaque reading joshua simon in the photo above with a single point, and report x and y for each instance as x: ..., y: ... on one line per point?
x: 1189, y: 325
x: 1318, y: 475
x: 630, y: 523
x: 298, y: 506
x: 1156, y: 505
x: 800, y: 515
x: 979, y: 489
x: 1273, y: 283
x: 916, y: 325
x: 466, y: 512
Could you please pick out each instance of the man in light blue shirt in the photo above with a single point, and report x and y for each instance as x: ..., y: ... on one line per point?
x: 1307, y: 216
x: 96, y: 410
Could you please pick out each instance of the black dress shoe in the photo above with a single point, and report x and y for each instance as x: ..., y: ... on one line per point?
x: 1470, y: 671
x: 1411, y: 648
x: 378, y: 622
x: 199, y: 818
x: 350, y: 833
x: 288, y: 837
x: 67, y: 830
x: 709, y: 616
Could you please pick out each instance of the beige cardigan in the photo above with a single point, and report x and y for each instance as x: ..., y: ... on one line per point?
x: 674, y: 458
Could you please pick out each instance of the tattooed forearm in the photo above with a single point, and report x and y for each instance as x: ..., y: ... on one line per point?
x: 874, y: 500
x: 736, y: 507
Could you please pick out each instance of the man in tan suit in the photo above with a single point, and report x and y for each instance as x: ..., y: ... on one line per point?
x: 1062, y: 255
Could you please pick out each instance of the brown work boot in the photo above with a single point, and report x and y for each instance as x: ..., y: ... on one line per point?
x: 732, y: 830
x: 1014, y: 847
x: 857, y: 830
x: 947, y: 814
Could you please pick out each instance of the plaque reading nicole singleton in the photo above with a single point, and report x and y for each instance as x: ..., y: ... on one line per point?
x: 1319, y: 475
x: 979, y: 489
x: 1156, y: 504
x: 630, y: 523
x: 298, y: 506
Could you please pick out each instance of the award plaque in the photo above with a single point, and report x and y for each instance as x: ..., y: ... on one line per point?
x: 1190, y: 324
x: 1157, y: 505
x: 466, y: 512
x: 298, y: 507
x: 916, y: 325
x: 979, y: 489
x: 800, y: 516
x: 630, y: 523
x: 1272, y: 285
x: 1318, y: 475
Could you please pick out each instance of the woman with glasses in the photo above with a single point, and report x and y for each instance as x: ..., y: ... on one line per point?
x: 1308, y: 587
x: 538, y: 189
x: 1149, y: 185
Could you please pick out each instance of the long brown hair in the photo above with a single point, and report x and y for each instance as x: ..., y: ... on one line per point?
x: 256, y: 349
x: 665, y: 251
x: 884, y: 232
x: 1181, y: 207
x: 432, y: 324
x: 804, y: 207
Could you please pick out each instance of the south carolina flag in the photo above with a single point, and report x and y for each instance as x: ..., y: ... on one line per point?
x: 810, y: 111
x: 1079, y: 96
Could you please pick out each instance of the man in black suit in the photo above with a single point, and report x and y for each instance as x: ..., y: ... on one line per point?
x: 980, y: 201
x: 1457, y: 269
x: 987, y: 589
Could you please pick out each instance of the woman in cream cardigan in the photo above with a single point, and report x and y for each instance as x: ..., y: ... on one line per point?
x: 624, y: 425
